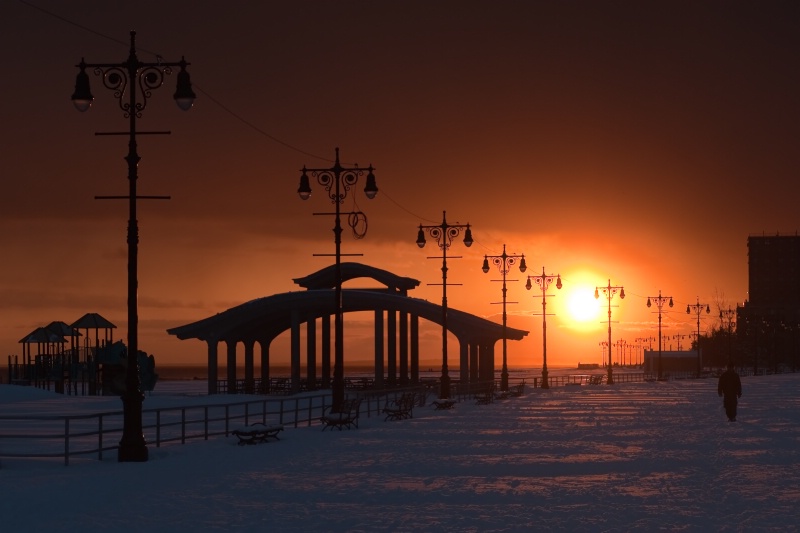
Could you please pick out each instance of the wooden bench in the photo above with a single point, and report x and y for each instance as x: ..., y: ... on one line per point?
x: 517, y: 390
x: 400, y: 408
x: 347, y: 417
x: 256, y: 433
x: 596, y: 380
x: 486, y: 395
x: 484, y: 398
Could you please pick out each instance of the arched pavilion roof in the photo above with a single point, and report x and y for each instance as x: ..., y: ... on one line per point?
x: 326, y: 278
x: 265, y: 318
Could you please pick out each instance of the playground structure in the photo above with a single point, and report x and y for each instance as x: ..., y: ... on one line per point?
x: 81, y: 359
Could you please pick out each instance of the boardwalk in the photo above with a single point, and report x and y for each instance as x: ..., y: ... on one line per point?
x: 633, y: 457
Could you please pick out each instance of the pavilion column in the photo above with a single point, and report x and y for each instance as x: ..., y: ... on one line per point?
x: 391, y: 345
x: 414, y: 349
x: 486, y: 371
x: 231, y: 366
x: 213, y: 365
x: 249, y: 374
x: 311, y: 353
x: 264, y: 389
x: 379, y: 347
x: 295, y: 351
x: 463, y: 347
x: 403, y: 348
x: 473, y: 362
x: 326, y: 351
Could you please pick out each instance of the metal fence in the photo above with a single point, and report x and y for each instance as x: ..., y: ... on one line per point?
x: 93, y: 435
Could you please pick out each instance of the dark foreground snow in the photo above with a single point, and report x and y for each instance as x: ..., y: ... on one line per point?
x: 630, y: 457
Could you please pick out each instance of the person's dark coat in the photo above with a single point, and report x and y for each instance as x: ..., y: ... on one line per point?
x: 730, y: 385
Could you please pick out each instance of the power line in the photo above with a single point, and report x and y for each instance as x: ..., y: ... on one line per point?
x: 221, y: 105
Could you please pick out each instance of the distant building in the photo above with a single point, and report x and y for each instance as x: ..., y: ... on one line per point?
x: 768, y: 324
x: 774, y: 279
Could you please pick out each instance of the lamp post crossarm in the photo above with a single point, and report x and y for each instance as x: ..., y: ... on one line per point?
x: 328, y: 179
x: 444, y: 234
x: 147, y: 77
x: 504, y: 262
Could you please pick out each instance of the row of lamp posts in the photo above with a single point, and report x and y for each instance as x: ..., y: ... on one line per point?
x: 132, y: 82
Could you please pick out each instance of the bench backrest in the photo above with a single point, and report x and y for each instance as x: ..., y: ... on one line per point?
x: 352, y: 407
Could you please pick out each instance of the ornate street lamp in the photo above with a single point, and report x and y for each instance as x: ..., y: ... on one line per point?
x: 698, y: 309
x: 544, y: 282
x: 444, y: 234
x: 609, y: 292
x: 603, y: 345
x: 660, y: 301
x: 132, y: 82
x: 504, y: 263
x: 337, y: 180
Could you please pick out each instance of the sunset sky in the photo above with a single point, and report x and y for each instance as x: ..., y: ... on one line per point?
x: 636, y: 142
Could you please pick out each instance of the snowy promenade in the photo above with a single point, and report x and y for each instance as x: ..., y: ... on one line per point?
x: 630, y: 457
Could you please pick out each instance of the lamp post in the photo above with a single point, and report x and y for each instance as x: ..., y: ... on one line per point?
x: 698, y: 309
x: 609, y: 292
x: 728, y: 317
x: 544, y: 282
x: 640, y: 352
x: 444, y: 234
x: 603, y: 345
x: 504, y: 262
x: 679, y: 337
x: 660, y: 301
x: 649, y: 341
x: 337, y: 181
x: 132, y: 82
x: 621, y: 345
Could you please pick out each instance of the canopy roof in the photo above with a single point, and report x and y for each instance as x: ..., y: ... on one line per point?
x: 265, y: 318
x: 92, y: 321
x: 42, y: 334
x: 61, y: 328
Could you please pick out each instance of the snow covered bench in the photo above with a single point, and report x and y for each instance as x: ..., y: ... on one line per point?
x: 256, y: 433
x: 400, y: 408
x: 347, y: 417
x: 443, y: 404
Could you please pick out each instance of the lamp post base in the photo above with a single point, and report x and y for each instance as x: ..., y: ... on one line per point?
x: 504, y: 380
x: 337, y: 395
x: 610, y: 379
x: 132, y: 447
x: 444, y: 391
x: 545, y: 383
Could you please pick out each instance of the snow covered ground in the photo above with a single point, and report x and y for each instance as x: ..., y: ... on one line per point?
x: 628, y: 457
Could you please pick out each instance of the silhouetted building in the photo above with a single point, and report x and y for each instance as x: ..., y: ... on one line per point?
x: 774, y: 276
x: 770, y: 318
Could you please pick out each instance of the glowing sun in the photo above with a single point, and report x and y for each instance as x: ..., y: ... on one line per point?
x: 582, y: 305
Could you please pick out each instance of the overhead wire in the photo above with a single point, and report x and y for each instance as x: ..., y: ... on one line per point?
x: 252, y: 126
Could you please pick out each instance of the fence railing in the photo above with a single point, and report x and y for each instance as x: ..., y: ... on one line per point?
x: 93, y: 435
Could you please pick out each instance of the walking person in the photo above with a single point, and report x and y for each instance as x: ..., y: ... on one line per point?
x: 730, y: 388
